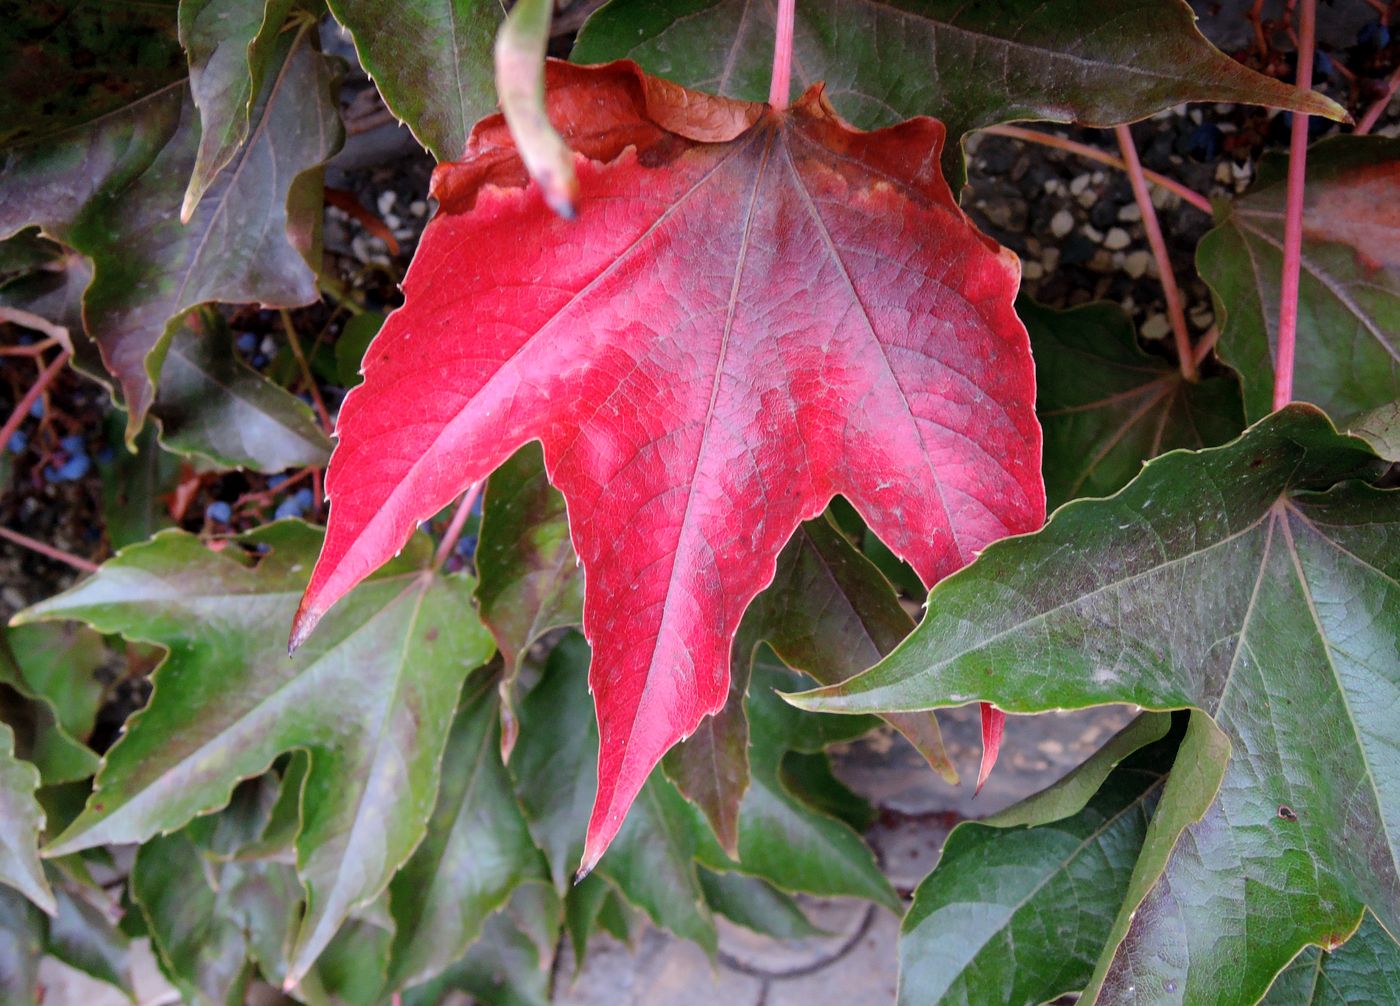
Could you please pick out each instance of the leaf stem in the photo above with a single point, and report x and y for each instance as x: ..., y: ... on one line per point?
x: 1293, y: 216
x: 34, y: 545
x: 781, y: 84
x: 306, y: 376
x: 459, y: 521
x: 1378, y: 107
x: 23, y: 406
x: 1176, y: 314
x: 1187, y: 195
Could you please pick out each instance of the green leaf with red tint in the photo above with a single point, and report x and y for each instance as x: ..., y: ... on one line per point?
x: 1348, y: 342
x: 969, y: 64
x: 1106, y: 406
x: 1229, y: 582
x: 755, y: 311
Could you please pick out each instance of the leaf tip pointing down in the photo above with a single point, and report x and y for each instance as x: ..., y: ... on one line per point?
x: 993, y: 723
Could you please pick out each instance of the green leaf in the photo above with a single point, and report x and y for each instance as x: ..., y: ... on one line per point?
x: 431, y: 60
x: 756, y: 905
x: 207, y: 919
x: 968, y: 64
x: 133, y: 482
x: 1363, y: 970
x: 68, y: 64
x: 112, y: 189
x: 21, y: 824
x: 59, y: 663
x: 230, y: 45
x: 1348, y: 341
x: 84, y: 936
x: 370, y: 698
x: 1215, y: 581
x: 1381, y: 429
x: 505, y: 967
x: 350, y: 346
x: 477, y: 851
x: 1017, y: 914
x: 39, y: 734
x: 782, y: 839
x: 353, y: 967
x: 531, y: 581
x: 212, y: 405
x: 21, y: 948
x: 1106, y: 406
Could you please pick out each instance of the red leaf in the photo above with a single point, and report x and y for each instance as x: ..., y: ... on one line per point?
x: 993, y: 723
x: 754, y: 312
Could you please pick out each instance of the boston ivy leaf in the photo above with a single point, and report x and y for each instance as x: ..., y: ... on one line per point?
x: 21, y: 947
x: 39, y: 734
x: 108, y: 56
x: 1364, y: 969
x: 21, y: 823
x: 212, y: 405
x: 1348, y: 343
x: 530, y: 579
x: 372, y: 702
x: 905, y: 385
x: 1106, y: 406
x: 1381, y: 429
x: 1213, y: 581
x: 757, y: 905
x: 431, y: 60
x: 968, y: 64
x: 477, y: 851
x: 782, y: 839
x: 555, y: 770
x: 210, y: 918
x: 98, y: 189
x: 83, y: 934
x: 135, y: 483
x: 59, y: 663
x: 230, y: 44
x: 352, y: 969
x: 505, y: 967
x: 355, y: 337
x: 1018, y: 915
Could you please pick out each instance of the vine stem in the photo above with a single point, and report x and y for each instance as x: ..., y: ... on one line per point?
x: 459, y: 521
x: 1176, y: 314
x: 1189, y: 196
x: 34, y: 545
x: 22, y: 407
x: 1293, y: 215
x: 307, y: 378
x: 1373, y: 114
x: 781, y: 84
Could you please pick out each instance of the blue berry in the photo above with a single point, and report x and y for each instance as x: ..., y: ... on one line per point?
x: 289, y: 507
x: 246, y: 342
x: 466, y: 546
x: 1322, y: 64
x: 105, y: 454
x: 73, y: 444
x: 37, y: 409
x: 259, y: 361
x: 19, y: 440
x: 70, y: 471
x: 275, y: 482
x: 1374, y: 35
x: 219, y: 512
x: 303, y: 498
x: 1205, y: 142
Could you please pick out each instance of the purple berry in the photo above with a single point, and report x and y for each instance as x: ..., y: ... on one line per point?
x: 73, y: 444
x: 289, y: 507
x: 19, y: 440
x: 219, y: 512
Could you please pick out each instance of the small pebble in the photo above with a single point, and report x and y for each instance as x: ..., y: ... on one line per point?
x: 1116, y: 239
x: 1050, y: 258
x: 418, y: 207
x: 1130, y: 214
x: 1032, y: 270
x: 1136, y: 264
x: 1202, y: 318
x: 386, y: 201
x: 1079, y: 185
x: 1061, y: 223
x: 1093, y: 233
x: 1156, y: 327
x: 1164, y: 198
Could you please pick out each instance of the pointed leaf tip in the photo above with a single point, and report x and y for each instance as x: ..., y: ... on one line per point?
x: 993, y: 723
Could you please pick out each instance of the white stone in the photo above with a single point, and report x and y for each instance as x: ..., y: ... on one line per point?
x: 1136, y: 264
x: 1156, y: 327
x: 1061, y: 223
x: 1116, y: 239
